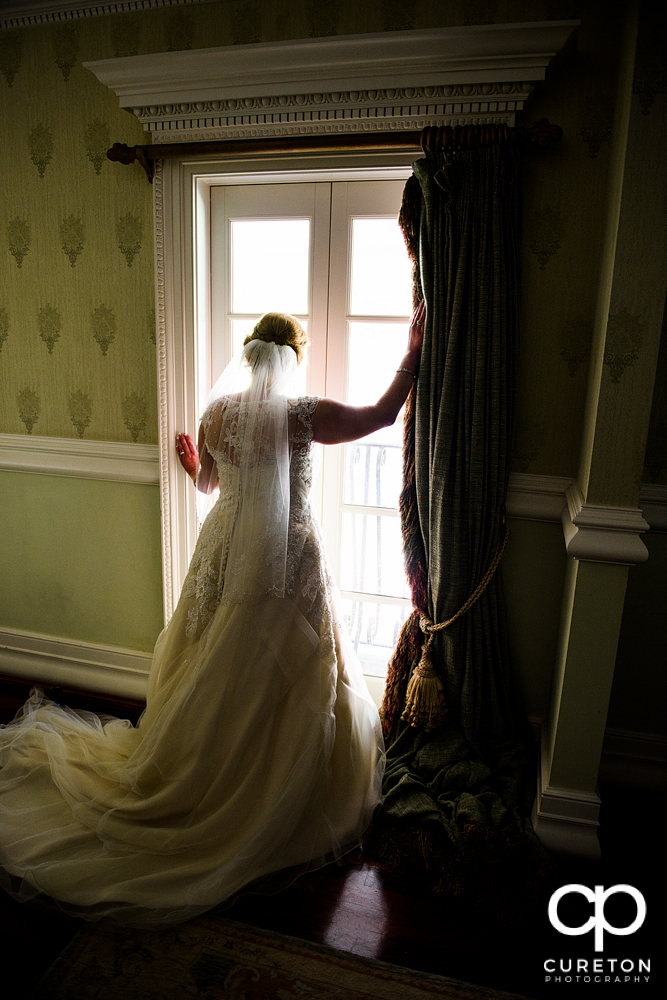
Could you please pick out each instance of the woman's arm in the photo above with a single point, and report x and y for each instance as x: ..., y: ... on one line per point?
x: 335, y: 422
x: 204, y: 473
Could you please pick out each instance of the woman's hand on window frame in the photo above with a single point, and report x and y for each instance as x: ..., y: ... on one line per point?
x: 188, y: 455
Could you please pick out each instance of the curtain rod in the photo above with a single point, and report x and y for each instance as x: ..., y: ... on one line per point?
x: 431, y: 140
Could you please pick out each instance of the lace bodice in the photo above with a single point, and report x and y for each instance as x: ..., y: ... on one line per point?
x: 305, y: 572
x: 223, y: 442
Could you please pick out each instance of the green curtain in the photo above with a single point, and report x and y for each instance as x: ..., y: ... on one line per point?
x: 457, y: 798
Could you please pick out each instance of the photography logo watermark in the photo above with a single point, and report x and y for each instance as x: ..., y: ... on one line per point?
x: 602, y: 969
x: 597, y: 921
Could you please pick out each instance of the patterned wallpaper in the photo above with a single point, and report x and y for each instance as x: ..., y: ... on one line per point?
x: 650, y: 86
x: 564, y: 204
x: 564, y: 201
x: 77, y: 351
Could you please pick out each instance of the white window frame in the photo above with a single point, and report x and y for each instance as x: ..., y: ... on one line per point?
x: 181, y: 213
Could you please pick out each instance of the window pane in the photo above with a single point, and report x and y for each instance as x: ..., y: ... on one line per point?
x: 373, y: 473
x: 373, y: 628
x: 375, y: 352
x: 241, y: 328
x: 270, y: 265
x: 371, y: 555
x: 381, y: 282
x: 373, y: 465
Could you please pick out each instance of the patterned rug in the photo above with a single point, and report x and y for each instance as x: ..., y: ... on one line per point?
x: 225, y: 960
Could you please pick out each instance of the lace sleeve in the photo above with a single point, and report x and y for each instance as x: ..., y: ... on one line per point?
x: 209, y: 414
x: 302, y: 410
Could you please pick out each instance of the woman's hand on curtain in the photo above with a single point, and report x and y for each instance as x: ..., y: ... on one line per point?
x: 188, y: 455
x: 416, y: 332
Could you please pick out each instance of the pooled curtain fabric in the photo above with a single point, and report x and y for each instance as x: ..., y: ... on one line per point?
x: 461, y: 790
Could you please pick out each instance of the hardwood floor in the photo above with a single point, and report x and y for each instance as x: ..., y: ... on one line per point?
x: 367, y: 911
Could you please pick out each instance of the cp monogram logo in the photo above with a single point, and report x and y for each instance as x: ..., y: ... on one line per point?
x: 598, y: 897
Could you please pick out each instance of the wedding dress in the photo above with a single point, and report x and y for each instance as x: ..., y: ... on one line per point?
x: 259, y: 750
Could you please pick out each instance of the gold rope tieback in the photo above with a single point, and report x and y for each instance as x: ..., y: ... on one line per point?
x: 425, y: 698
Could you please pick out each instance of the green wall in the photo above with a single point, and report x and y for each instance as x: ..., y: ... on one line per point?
x: 533, y: 569
x: 77, y: 352
x: 83, y: 557
x: 639, y: 690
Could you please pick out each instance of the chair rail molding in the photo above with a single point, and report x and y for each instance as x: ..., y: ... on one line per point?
x: 603, y: 534
x: 536, y: 498
x: 381, y: 81
x: 543, y: 498
x: 82, y: 459
x: 653, y: 503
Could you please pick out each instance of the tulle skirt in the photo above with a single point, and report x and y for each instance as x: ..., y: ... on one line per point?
x: 259, y: 752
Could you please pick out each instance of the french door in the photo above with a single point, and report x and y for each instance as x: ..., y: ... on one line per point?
x: 330, y: 253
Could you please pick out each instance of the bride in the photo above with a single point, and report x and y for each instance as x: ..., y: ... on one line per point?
x: 259, y: 751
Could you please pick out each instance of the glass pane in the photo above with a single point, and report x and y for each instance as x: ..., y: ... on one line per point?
x: 381, y: 282
x: 373, y: 473
x: 270, y: 265
x: 240, y: 330
x: 375, y: 352
x: 373, y: 465
x: 374, y: 629
x: 371, y: 555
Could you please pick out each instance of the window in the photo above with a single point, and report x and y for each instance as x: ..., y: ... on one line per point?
x: 347, y: 278
x: 330, y: 253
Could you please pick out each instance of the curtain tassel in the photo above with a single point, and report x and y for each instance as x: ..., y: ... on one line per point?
x: 425, y: 698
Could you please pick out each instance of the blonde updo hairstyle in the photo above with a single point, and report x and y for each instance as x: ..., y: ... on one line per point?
x: 280, y: 328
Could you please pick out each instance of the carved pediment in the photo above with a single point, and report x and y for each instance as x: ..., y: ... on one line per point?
x: 394, y: 80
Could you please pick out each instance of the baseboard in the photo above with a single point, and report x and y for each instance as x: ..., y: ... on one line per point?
x: 634, y: 760
x: 84, y: 666
x: 565, y: 819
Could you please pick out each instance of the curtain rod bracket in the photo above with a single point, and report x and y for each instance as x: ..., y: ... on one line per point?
x: 120, y: 153
x: 544, y: 133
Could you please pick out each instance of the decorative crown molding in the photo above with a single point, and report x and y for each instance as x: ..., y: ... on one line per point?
x: 383, y: 81
x: 403, y: 108
x: 23, y: 13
